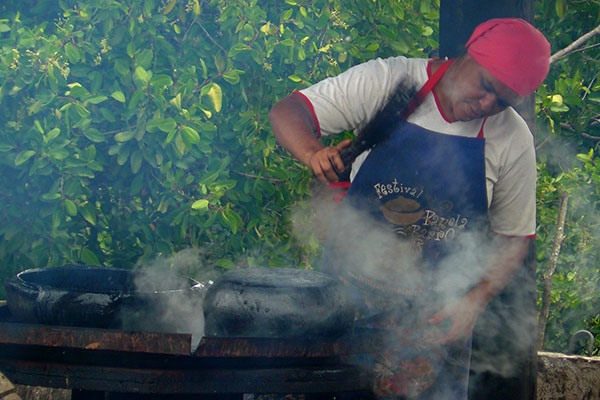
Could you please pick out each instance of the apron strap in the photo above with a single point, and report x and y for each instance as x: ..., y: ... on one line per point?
x: 427, y: 87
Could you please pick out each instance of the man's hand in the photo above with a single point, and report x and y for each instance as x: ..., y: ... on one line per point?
x: 505, y: 259
x: 326, y: 163
x: 460, y: 315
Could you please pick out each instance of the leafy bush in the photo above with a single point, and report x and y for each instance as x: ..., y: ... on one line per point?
x: 131, y: 129
x: 567, y: 137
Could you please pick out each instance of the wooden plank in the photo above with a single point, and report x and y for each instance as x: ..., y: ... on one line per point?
x: 202, y: 381
x: 95, y: 339
x: 310, y: 347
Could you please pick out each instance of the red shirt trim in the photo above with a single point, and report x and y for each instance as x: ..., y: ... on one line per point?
x: 480, y: 134
x: 312, y: 111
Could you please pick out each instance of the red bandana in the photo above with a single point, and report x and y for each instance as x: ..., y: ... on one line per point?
x: 513, y: 51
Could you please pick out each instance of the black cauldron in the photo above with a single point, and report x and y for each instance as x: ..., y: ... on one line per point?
x: 91, y: 296
x: 277, y: 302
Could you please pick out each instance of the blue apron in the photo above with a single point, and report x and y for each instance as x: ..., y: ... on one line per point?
x: 410, y: 206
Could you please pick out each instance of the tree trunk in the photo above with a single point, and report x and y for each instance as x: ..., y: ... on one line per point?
x: 458, y: 18
x: 551, y: 267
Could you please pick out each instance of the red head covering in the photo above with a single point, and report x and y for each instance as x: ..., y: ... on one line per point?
x: 513, y: 51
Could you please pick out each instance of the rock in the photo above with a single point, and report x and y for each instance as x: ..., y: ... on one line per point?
x: 41, y: 393
x: 7, y: 389
x: 566, y: 377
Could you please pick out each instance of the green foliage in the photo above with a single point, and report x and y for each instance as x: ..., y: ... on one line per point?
x: 131, y: 129
x: 567, y: 136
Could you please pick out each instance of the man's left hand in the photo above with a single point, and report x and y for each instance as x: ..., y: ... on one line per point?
x: 461, y: 316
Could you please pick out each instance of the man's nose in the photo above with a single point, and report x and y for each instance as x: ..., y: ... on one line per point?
x: 488, y: 102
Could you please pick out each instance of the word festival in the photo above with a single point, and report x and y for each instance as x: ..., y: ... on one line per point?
x: 383, y: 189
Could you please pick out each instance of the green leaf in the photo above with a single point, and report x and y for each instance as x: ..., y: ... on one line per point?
x: 135, y: 99
x: 88, y: 257
x: 161, y: 80
x: 71, y: 207
x: 126, y: 136
x: 559, y: 107
x: 190, y: 135
x: 96, y: 99
x: 176, y: 101
x: 136, y: 161
x: 118, y: 96
x: 169, y: 7
x: 23, y: 156
x: 72, y: 53
x: 232, y: 77
x: 294, y: 78
x: 215, y: 94
x: 559, y: 6
x: 81, y: 110
x: 200, y: 204
x: 107, y: 114
x: 94, y: 135
x: 88, y: 213
x: 50, y: 196
x: 142, y: 75
x: 53, y: 134
x: 196, y: 7
x: 167, y: 125
x: 231, y: 219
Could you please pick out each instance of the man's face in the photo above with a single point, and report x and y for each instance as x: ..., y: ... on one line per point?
x: 472, y: 92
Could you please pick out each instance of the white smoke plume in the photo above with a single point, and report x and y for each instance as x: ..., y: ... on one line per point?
x: 376, y: 253
x: 177, y: 300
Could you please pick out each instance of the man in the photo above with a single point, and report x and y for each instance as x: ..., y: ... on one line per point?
x: 461, y: 165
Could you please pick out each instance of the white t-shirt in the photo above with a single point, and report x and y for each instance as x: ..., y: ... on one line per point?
x: 349, y: 100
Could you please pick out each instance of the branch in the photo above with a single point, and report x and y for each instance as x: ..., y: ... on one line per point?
x: 551, y: 267
x: 247, y: 175
x: 575, y: 45
x: 569, y: 127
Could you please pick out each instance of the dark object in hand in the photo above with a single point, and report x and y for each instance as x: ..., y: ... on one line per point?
x: 381, y: 125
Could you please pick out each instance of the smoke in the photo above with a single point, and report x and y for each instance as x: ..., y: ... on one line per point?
x: 394, y: 275
x: 556, y: 151
x: 175, y: 301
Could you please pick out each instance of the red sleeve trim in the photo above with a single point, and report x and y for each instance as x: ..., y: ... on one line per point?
x: 337, y: 185
x: 312, y: 111
x: 532, y: 236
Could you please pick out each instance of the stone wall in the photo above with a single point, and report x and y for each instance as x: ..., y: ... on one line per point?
x: 564, y: 377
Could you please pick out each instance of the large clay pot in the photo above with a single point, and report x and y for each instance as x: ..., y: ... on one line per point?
x: 90, y: 296
x: 276, y: 302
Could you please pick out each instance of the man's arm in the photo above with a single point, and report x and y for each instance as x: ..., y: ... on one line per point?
x: 506, y: 258
x: 295, y: 129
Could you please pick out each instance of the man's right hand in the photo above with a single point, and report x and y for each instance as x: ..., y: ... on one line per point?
x: 327, y: 163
